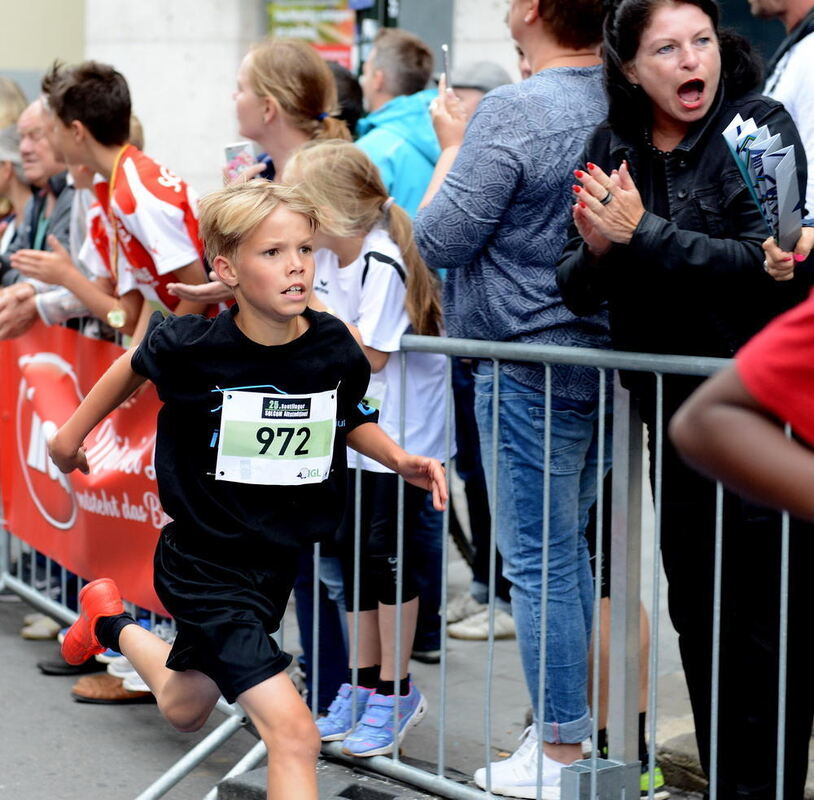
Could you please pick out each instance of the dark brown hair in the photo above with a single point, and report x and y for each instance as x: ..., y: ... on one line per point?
x: 93, y: 93
x: 574, y: 23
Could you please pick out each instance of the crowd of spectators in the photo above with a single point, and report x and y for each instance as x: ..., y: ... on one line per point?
x: 592, y: 204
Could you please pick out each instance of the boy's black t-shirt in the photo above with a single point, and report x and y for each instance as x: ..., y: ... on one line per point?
x: 189, y: 359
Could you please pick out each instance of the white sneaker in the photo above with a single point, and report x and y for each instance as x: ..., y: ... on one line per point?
x: 462, y: 606
x: 476, y: 627
x: 517, y: 775
x: 120, y: 668
x: 134, y: 683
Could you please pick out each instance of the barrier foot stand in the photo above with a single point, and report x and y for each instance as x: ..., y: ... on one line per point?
x: 614, y: 780
x: 398, y: 770
x: 249, y: 761
x: 199, y: 753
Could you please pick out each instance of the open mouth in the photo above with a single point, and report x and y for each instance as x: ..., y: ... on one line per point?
x: 297, y: 291
x: 691, y: 93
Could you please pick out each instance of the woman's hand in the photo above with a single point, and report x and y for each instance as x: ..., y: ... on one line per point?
x: 48, y: 266
x: 212, y: 292
x: 779, y: 264
x: 448, y: 116
x: 611, y: 204
x: 245, y: 175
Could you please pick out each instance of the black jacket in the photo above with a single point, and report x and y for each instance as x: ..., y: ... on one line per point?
x: 691, y: 281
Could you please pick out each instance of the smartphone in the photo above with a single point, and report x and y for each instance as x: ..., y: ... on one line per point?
x: 447, y: 74
x: 239, y: 156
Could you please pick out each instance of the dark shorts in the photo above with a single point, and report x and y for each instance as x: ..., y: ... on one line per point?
x: 224, y: 614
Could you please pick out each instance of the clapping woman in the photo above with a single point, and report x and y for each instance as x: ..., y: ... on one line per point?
x: 666, y: 234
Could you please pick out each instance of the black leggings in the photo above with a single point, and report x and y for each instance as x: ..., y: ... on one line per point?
x: 379, y: 518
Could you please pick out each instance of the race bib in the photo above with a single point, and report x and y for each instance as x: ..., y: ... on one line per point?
x: 276, y: 439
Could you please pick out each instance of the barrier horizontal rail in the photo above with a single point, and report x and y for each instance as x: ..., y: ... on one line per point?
x: 557, y: 354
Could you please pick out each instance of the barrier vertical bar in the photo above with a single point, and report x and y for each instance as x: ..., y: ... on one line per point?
x: 653, y: 655
x: 546, y: 534
x: 442, y: 712
x: 490, y: 651
x: 399, y: 569
x: 623, y: 699
x: 716, y: 643
x: 783, y: 644
x: 357, y: 557
x: 314, y: 665
x: 599, y: 566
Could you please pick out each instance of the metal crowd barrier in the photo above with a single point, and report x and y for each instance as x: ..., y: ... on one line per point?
x: 617, y: 775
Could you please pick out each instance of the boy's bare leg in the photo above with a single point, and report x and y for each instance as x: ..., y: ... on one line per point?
x: 387, y: 632
x: 185, y: 699
x: 285, y: 725
x: 370, y: 653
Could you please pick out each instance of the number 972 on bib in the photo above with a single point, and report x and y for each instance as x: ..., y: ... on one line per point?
x: 274, y: 439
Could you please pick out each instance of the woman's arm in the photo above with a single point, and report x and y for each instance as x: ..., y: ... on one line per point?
x: 426, y: 473
x: 480, y: 186
x: 107, y: 394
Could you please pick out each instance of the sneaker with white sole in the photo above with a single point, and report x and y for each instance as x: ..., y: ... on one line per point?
x: 461, y: 607
x: 517, y: 775
x: 476, y: 627
x: 120, y: 668
x: 374, y: 731
x: 134, y: 683
x: 339, y: 721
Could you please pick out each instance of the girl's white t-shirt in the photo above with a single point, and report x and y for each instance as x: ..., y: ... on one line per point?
x: 369, y: 294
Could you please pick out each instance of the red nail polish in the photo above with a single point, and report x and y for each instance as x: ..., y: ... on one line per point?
x: 577, y: 188
x: 582, y: 204
x: 591, y: 166
x: 579, y: 173
x: 799, y: 257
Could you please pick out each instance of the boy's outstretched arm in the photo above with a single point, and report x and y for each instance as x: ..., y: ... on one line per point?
x: 722, y: 431
x: 109, y: 392
x: 426, y: 473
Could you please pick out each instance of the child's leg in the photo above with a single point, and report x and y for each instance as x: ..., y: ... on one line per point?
x: 369, y: 650
x: 185, y: 699
x: 284, y: 723
x: 387, y: 636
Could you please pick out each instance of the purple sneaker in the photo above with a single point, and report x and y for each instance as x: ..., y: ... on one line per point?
x: 374, y: 732
x: 339, y: 722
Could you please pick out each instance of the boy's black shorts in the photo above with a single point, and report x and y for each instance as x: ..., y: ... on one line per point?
x: 224, y: 614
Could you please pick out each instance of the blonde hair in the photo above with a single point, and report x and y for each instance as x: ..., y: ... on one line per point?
x: 340, y: 178
x: 229, y: 215
x: 136, y: 132
x: 12, y: 102
x: 295, y: 75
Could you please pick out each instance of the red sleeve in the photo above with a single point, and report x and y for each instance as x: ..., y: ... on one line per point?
x: 777, y: 368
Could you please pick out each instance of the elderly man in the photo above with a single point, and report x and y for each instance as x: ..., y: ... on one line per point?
x: 48, y: 212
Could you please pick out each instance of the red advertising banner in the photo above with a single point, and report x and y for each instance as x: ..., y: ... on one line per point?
x: 104, y: 524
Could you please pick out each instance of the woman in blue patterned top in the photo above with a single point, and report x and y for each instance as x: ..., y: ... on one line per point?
x: 496, y: 220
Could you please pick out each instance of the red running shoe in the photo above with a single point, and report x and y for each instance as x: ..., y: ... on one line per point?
x: 99, y: 598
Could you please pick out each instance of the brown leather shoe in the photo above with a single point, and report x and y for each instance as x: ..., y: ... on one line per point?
x: 106, y: 689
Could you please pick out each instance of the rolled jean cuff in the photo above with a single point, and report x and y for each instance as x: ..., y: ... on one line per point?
x: 573, y: 732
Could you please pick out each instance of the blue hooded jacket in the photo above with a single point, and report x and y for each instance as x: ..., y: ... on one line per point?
x: 401, y: 142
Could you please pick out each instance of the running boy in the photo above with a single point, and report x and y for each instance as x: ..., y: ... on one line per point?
x: 259, y: 404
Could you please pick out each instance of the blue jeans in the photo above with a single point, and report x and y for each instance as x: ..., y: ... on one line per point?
x: 519, y: 512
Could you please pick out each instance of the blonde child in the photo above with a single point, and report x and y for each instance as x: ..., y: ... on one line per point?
x: 259, y: 403
x: 370, y: 275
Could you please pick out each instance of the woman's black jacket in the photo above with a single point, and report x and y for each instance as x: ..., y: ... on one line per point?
x: 691, y: 281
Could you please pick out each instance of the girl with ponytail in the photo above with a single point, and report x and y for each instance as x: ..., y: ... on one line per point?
x: 370, y: 274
